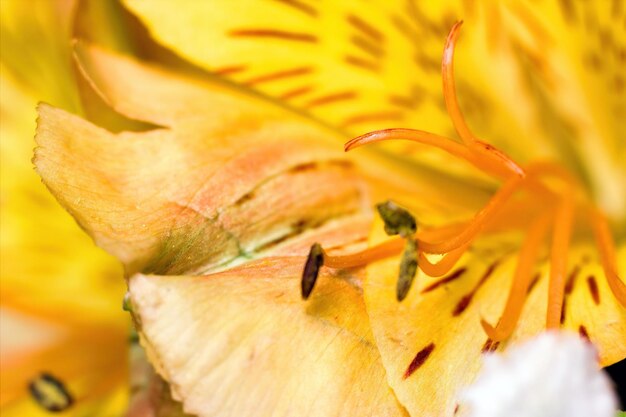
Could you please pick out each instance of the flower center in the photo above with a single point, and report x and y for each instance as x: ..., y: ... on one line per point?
x: 540, y: 185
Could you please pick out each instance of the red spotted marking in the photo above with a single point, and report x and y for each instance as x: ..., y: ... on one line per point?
x: 465, y: 301
x: 428, y: 63
x: 279, y: 75
x: 419, y: 360
x: 296, y: 92
x: 454, y: 275
x: 534, y: 282
x: 365, y: 28
x: 374, y: 50
x: 332, y: 98
x: 273, y: 33
x: 489, y: 346
x: 362, y: 63
x: 567, y: 8
x: 403, y: 27
x: 593, y: 289
x: 582, y: 331
x: 373, y: 117
x: 300, y: 6
x: 569, y: 287
x: 230, y: 70
x: 405, y: 102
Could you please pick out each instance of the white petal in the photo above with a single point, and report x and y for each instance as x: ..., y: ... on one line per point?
x: 555, y: 374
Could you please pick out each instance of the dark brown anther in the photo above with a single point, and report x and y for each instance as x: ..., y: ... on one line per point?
x: 314, y: 262
x: 408, y: 269
x: 50, y: 393
x: 398, y: 221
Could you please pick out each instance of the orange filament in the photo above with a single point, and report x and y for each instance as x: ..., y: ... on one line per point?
x: 521, y: 281
x: 419, y: 136
x: 482, y: 156
x: 563, y: 224
x: 393, y: 247
x: 385, y: 250
x: 449, y: 88
x: 606, y: 248
x: 481, y: 151
x: 440, y: 232
x: 453, y: 240
x: 449, y: 243
x: 494, y: 205
x: 478, y: 222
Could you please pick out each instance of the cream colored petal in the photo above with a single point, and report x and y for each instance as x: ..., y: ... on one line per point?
x: 159, y: 197
x: 243, y: 342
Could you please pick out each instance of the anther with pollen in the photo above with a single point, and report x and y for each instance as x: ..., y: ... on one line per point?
x: 408, y: 269
x: 314, y: 262
x: 399, y: 221
x: 50, y: 393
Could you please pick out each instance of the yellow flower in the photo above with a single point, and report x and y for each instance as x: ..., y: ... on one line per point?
x: 61, y: 313
x: 213, y: 199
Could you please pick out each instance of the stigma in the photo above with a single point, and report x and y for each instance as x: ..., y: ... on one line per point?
x: 556, y: 196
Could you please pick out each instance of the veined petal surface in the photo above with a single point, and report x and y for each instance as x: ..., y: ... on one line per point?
x: 246, y: 344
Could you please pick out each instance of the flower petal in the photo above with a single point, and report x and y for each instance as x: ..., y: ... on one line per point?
x: 205, y: 190
x: 431, y: 343
x: 357, y: 67
x: 69, y: 271
x: 347, y: 63
x: 591, y: 308
x: 89, y: 361
x: 245, y: 343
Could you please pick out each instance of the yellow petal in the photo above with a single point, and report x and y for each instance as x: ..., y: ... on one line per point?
x: 591, y: 309
x: 576, y: 54
x: 53, y: 280
x: 431, y: 343
x: 69, y: 270
x: 358, y: 67
x: 89, y: 360
x: 246, y: 344
x: 345, y: 62
x: 529, y: 78
x: 35, y: 48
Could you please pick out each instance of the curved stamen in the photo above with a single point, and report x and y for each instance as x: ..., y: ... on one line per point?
x: 477, y: 147
x: 440, y: 233
x: 483, y: 156
x: 384, y: 250
x: 606, y: 247
x: 494, y: 206
x: 563, y: 226
x: 419, y: 136
x: 478, y: 222
x: 449, y: 88
x: 521, y: 280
